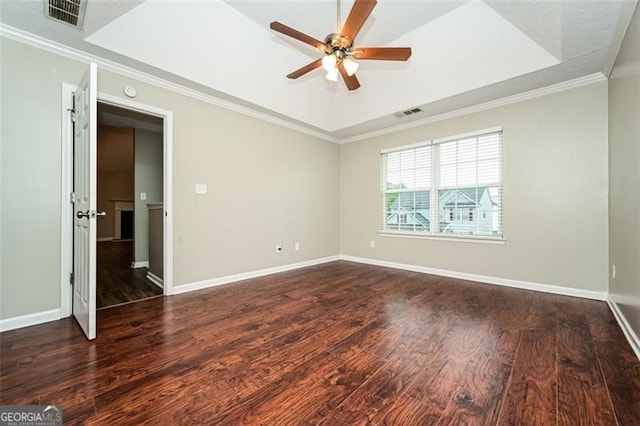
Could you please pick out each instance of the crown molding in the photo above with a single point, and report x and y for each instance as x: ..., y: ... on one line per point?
x: 532, y: 94
x: 80, y: 56
x: 628, y: 8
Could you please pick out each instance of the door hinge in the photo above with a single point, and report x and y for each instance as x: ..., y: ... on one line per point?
x: 71, y: 278
x: 72, y: 198
x: 72, y: 112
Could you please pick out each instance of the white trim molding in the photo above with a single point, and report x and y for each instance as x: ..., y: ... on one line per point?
x: 632, y: 337
x: 155, y: 279
x: 66, y: 211
x: 167, y: 171
x: 67, y: 172
x: 506, y: 282
x: 443, y: 237
x: 143, y: 264
x: 78, y: 55
x: 199, y: 285
x: 532, y: 94
x: 29, y: 320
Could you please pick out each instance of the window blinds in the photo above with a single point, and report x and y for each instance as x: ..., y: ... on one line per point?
x: 446, y: 187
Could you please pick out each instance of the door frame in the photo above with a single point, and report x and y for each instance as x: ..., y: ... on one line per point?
x: 66, y: 213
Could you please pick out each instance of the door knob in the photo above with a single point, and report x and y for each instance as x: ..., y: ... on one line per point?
x: 89, y: 214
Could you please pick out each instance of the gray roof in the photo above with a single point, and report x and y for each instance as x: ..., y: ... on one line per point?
x: 406, y: 200
x: 462, y: 197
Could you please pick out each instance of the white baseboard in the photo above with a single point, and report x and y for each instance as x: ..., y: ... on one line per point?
x: 155, y: 279
x: 185, y: 288
x: 631, y: 336
x: 143, y: 264
x: 546, y: 288
x: 104, y: 239
x: 28, y: 320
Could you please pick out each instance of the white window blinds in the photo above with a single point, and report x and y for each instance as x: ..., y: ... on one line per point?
x: 447, y: 187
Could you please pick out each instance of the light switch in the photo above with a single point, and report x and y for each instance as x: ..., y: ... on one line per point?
x: 201, y: 188
x: 143, y: 196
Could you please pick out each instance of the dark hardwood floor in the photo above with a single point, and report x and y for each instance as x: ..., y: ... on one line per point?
x: 337, y: 344
x: 116, y: 281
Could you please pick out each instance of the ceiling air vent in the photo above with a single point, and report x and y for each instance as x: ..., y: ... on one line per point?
x: 70, y: 12
x: 408, y: 112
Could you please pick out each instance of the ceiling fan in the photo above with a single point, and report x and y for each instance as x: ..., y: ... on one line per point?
x: 339, y: 50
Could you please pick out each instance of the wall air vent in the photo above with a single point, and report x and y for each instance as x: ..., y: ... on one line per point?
x: 408, y: 112
x: 71, y: 12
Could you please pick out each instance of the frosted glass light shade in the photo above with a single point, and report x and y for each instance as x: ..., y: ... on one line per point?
x: 332, y: 75
x: 350, y: 66
x: 329, y: 62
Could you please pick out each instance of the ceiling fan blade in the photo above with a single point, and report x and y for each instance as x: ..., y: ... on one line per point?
x: 282, y: 28
x: 351, y: 82
x: 359, y: 13
x: 302, y: 71
x: 382, y: 53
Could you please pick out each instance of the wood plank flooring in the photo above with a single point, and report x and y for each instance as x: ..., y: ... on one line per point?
x: 335, y: 344
x: 116, y: 281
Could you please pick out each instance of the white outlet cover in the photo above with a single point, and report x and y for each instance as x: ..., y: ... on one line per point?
x: 143, y: 196
x: 201, y: 188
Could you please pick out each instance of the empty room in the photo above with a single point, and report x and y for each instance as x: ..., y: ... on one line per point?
x: 320, y: 212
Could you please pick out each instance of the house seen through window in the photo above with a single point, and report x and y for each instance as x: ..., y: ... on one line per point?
x: 446, y: 187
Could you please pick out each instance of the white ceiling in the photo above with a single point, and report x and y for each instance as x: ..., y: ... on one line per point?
x: 464, y: 52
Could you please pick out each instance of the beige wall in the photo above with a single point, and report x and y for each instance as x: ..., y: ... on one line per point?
x: 31, y: 102
x: 148, y: 179
x: 624, y: 167
x: 555, y: 194
x: 267, y: 184
x: 115, y: 174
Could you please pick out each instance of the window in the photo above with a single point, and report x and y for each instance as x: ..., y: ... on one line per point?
x: 437, y: 187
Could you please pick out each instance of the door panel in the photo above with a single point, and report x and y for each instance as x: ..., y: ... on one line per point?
x: 84, y: 211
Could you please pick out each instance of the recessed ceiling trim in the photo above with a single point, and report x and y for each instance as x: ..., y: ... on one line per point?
x: 536, y: 93
x: 71, y: 53
x: 78, y: 55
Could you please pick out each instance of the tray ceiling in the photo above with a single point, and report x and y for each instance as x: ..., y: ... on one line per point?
x: 464, y: 52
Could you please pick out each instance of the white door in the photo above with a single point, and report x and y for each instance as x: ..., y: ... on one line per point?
x: 84, y: 211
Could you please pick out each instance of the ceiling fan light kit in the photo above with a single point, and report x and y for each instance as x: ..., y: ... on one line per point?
x: 339, y: 49
x: 332, y: 75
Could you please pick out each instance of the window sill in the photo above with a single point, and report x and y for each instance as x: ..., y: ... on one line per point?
x: 456, y: 238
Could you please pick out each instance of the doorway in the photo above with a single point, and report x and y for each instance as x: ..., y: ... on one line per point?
x: 164, y: 213
x: 130, y: 187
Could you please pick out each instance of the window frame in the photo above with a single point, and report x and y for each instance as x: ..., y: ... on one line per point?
x: 435, y: 188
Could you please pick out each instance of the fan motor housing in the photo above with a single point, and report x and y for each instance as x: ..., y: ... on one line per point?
x: 337, y: 43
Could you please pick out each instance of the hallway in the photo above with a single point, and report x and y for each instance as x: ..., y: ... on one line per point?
x: 116, y: 281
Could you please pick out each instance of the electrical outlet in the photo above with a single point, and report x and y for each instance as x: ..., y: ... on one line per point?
x: 201, y: 188
x: 372, y: 244
x: 278, y: 248
x: 143, y: 196
x: 296, y: 246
